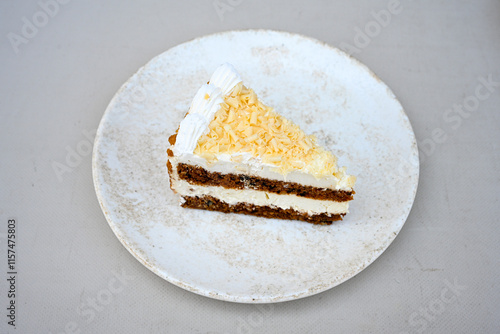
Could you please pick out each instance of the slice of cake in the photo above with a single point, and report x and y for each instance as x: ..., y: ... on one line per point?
x: 232, y: 153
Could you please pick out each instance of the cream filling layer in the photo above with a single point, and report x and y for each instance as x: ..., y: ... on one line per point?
x: 261, y: 198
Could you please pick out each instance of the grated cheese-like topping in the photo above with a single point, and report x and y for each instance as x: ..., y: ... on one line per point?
x: 244, y: 124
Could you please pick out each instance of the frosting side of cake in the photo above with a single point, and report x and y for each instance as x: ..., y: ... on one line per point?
x: 255, y: 202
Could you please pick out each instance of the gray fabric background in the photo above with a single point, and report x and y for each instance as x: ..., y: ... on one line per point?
x: 441, y: 275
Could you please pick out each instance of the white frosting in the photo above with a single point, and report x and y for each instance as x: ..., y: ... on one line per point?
x: 261, y: 198
x: 225, y: 77
x: 190, y: 130
x: 207, y: 101
x: 203, y: 108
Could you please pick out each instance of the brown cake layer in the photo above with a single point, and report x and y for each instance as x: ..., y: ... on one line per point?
x: 214, y: 204
x: 200, y: 176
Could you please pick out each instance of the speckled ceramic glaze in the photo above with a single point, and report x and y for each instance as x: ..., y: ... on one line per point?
x: 242, y: 258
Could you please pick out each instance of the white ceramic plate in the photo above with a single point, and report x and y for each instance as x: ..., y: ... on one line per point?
x: 242, y: 258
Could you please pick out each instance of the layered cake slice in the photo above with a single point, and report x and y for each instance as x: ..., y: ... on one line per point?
x: 234, y: 154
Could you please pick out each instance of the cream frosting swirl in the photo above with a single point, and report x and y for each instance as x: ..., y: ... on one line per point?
x: 205, y: 104
x: 226, y: 78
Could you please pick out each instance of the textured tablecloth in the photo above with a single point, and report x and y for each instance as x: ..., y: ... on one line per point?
x: 62, y: 61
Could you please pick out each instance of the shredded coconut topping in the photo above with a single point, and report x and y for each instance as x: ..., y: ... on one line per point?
x: 244, y: 124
